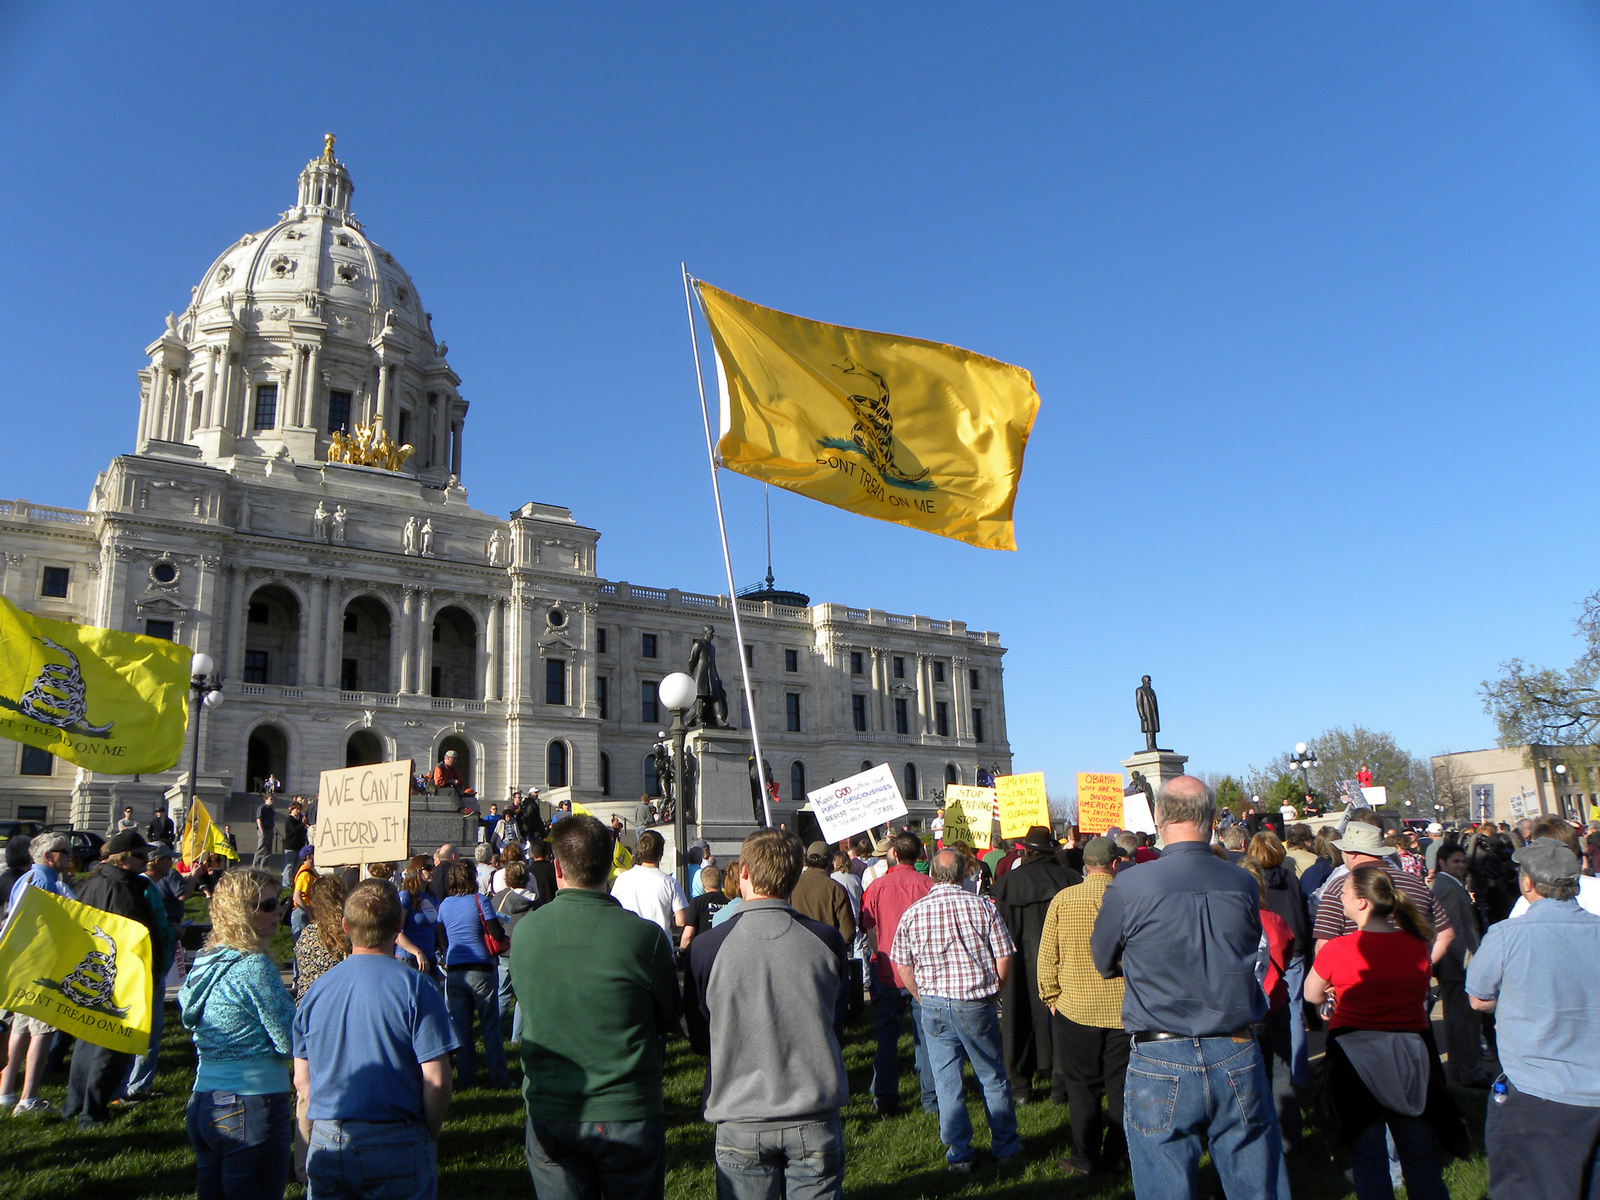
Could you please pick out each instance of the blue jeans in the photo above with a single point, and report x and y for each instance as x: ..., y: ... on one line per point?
x: 583, y: 1160
x: 889, y: 1003
x: 1182, y: 1093
x: 802, y: 1162
x: 1419, y: 1160
x: 954, y: 1028
x: 1294, y: 976
x: 143, y: 1077
x: 465, y: 992
x: 508, y: 1001
x: 299, y: 918
x: 241, y: 1144
x: 371, y: 1160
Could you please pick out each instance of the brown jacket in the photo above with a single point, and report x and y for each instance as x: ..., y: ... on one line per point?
x: 820, y: 898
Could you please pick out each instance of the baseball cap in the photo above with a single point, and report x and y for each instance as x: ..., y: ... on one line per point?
x: 161, y: 850
x: 129, y: 841
x: 818, y: 850
x: 1100, y: 851
x: 1548, y: 861
x: 1435, y: 827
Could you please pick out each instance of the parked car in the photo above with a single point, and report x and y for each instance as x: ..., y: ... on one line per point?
x: 10, y: 829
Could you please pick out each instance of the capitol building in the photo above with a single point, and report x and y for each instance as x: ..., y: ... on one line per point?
x: 361, y: 610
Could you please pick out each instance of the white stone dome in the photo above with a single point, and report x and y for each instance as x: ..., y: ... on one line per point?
x: 316, y: 262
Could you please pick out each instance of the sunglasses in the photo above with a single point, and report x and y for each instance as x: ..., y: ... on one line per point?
x: 266, y: 906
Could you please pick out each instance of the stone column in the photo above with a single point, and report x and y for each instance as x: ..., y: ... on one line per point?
x: 492, y: 666
x: 383, y: 397
x: 397, y: 654
x: 924, y: 694
x: 425, y: 643
x: 441, y: 454
x: 147, y: 409
x: 311, y: 657
x: 880, y: 687
x: 408, y: 638
x: 223, y: 412
x: 481, y: 662
x: 960, y: 697
x: 333, y: 648
x: 291, y: 400
x: 309, y: 414
x: 208, y: 402
x: 234, y: 664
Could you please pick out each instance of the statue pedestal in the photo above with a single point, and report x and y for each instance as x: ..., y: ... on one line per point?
x: 1157, y: 766
x: 723, y: 813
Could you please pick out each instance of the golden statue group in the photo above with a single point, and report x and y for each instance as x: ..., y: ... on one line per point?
x: 367, y: 446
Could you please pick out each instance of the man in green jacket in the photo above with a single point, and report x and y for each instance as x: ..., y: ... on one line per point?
x: 599, y: 991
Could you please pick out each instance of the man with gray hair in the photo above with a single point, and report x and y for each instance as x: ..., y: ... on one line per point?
x: 1184, y: 934
x: 953, y: 952
x: 1540, y: 976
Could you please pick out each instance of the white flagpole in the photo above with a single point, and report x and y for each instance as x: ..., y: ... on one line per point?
x: 727, y: 561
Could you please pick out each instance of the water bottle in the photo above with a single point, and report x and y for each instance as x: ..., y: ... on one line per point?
x: 1498, y: 1091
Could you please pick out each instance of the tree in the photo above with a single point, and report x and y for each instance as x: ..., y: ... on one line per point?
x: 1543, y: 706
x: 1230, y: 795
x: 1340, y: 754
x: 1452, y: 790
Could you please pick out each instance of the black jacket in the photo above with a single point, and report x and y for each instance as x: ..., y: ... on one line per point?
x: 119, y: 891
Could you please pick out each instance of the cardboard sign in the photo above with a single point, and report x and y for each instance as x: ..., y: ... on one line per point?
x: 973, y: 807
x: 1100, y: 801
x: 1137, y: 816
x: 1023, y: 803
x: 364, y: 814
x: 856, y: 804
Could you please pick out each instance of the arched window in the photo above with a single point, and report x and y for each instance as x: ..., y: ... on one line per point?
x: 605, y: 775
x: 555, y: 765
x: 911, y: 782
x: 866, y: 765
x: 797, y: 782
x: 952, y: 773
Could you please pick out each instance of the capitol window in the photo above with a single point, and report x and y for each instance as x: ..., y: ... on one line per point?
x: 54, y: 581
x: 267, y: 406
x: 338, y: 411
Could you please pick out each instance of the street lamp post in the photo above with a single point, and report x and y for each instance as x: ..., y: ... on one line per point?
x: 206, y: 694
x: 678, y: 692
x: 1302, y: 760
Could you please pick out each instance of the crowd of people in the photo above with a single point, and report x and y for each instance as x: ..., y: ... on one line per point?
x: 1163, y: 989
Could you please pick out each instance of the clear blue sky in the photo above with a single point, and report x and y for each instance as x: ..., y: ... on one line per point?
x: 1309, y: 292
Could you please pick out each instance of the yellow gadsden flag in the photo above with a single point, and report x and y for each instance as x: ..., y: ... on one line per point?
x: 202, y: 837
x: 110, y: 701
x: 914, y: 432
x: 79, y: 969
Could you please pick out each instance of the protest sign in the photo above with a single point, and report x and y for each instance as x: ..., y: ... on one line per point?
x: 1023, y: 803
x: 973, y: 807
x: 857, y: 803
x: 1100, y: 801
x: 364, y: 814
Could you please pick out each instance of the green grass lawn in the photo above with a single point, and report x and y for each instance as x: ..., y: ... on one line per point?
x: 144, y: 1152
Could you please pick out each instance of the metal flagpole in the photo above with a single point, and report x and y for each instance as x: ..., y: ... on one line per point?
x: 727, y: 561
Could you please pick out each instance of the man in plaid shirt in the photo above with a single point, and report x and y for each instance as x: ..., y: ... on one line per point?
x: 953, y: 951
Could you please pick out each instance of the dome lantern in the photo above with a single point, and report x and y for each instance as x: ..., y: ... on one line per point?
x: 325, y: 184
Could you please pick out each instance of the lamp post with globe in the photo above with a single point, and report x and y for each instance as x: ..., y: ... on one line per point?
x: 1302, y: 760
x: 678, y: 693
x: 206, y: 694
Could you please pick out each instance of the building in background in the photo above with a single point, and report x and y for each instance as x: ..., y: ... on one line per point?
x: 362, y: 610
x: 1508, y: 783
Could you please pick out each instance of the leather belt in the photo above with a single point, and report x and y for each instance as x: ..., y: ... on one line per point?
x: 1243, y: 1033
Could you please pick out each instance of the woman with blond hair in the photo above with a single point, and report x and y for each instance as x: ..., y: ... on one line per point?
x: 234, y: 1002
x: 1382, y: 1069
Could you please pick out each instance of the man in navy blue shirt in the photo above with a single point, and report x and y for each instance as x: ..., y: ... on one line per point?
x: 1183, y: 932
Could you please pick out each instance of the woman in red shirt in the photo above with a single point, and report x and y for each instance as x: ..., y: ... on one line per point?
x: 1381, y: 1059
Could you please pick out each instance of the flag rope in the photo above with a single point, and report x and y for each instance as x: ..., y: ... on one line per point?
x: 727, y: 560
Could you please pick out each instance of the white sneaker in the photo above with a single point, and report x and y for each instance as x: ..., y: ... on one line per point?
x: 9, y: 1099
x: 38, y: 1104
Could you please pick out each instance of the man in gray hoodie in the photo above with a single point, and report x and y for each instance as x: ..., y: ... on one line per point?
x: 776, y: 1079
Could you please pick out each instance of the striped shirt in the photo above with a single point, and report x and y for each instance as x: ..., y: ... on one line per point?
x: 1068, y: 981
x: 950, y: 942
x: 1332, y: 923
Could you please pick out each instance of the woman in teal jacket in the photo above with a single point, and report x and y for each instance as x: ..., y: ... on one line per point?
x: 241, y: 1112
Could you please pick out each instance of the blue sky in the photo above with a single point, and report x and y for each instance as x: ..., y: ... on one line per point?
x: 1309, y: 292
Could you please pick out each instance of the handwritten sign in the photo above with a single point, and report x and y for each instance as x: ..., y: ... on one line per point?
x: 364, y: 814
x: 1023, y: 803
x: 969, y: 815
x: 857, y: 803
x: 1100, y: 801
